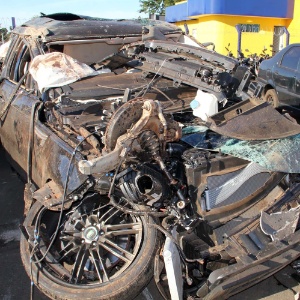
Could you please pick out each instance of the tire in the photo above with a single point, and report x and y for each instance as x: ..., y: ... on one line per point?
x: 271, y: 97
x: 123, y: 279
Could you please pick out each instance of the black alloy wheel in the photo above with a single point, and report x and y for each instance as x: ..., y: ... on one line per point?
x: 99, y: 253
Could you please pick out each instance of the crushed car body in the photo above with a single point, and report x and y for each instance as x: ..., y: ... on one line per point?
x: 124, y: 182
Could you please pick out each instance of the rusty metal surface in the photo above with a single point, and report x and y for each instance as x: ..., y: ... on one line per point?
x: 141, y: 115
x: 219, y: 61
x: 128, y: 114
x: 250, y: 121
x: 110, y: 84
x: 51, y: 154
x: 55, y: 30
x: 172, y: 67
x: 105, y: 85
x: 51, y: 160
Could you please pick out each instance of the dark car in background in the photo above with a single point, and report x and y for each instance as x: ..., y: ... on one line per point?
x: 280, y: 76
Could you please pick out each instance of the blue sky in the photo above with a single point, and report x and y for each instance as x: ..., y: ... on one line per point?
x: 23, y: 10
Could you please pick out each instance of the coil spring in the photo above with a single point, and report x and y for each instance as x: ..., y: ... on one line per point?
x: 149, y: 142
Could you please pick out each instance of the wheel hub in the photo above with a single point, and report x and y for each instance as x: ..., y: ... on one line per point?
x: 91, y: 234
x: 99, y: 242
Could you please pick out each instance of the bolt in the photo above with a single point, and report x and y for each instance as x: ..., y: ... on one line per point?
x: 82, y: 241
x: 101, y: 232
x: 181, y: 204
x: 75, y: 197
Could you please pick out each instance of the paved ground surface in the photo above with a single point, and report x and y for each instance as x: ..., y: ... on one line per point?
x: 15, y: 284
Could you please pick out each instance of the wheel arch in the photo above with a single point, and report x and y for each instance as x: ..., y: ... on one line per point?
x: 267, y: 87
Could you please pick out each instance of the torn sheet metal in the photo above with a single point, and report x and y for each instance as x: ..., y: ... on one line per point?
x: 58, y: 69
x: 281, y: 224
x: 280, y: 155
x: 4, y: 49
x: 249, y: 120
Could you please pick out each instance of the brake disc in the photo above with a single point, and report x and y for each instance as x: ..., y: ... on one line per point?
x: 122, y: 120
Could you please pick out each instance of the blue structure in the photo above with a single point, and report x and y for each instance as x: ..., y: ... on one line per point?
x: 256, y: 8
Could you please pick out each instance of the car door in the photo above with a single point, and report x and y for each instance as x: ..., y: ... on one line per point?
x: 296, y: 102
x: 50, y: 155
x: 284, y: 75
x: 17, y: 100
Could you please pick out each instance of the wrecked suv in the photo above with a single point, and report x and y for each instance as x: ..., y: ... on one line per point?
x: 124, y: 182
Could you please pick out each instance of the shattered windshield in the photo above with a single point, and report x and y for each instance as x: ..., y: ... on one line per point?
x: 274, y: 155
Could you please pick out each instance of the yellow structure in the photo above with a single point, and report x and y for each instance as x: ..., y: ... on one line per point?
x: 254, y: 25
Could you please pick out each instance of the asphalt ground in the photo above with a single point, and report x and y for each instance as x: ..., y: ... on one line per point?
x: 15, y: 284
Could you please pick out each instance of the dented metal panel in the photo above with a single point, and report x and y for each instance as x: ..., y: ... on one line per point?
x: 58, y: 30
x: 248, y: 120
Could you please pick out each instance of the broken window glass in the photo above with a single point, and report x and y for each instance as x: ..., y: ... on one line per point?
x: 281, y: 155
